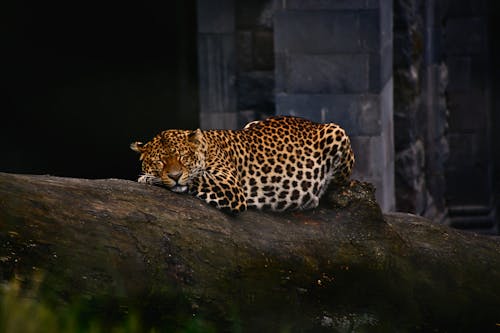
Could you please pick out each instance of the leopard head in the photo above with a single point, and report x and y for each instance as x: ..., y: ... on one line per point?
x: 172, y: 159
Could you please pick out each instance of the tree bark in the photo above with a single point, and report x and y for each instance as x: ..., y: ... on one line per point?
x: 344, y: 266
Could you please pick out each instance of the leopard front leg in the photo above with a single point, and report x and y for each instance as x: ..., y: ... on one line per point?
x: 222, y: 191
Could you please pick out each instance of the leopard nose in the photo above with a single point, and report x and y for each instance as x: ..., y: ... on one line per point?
x: 175, y: 175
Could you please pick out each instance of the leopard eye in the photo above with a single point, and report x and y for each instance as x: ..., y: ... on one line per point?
x: 159, y: 164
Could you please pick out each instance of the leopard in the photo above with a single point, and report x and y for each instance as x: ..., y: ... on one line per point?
x: 282, y: 163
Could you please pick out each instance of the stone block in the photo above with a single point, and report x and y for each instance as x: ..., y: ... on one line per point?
x: 329, y: 4
x: 466, y: 36
x: 385, y: 14
x: 359, y: 115
x: 375, y: 154
x: 219, y: 120
x: 381, y: 65
x: 384, y: 175
x: 317, y: 32
x: 468, y: 72
x: 387, y: 112
x: 467, y: 150
x: 244, y: 50
x: 281, y: 66
x: 386, y: 63
x: 481, y: 72
x: 333, y: 63
x: 459, y: 73
x: 377, y: 162
x: 375, y: 72
x: 263, y: 50
x: 256, y: 91
x: 468, y: 111
x: 369, y: 24
x: 325, y: 74
x: 462, y: 183
x: 249, y: 14
x: 215, y: 19
x: 380, y: 69
x: 216, y: 73
x: 410, y: 166
x: 386, y: 193
x: 461, y: 8
x: 364, y: 165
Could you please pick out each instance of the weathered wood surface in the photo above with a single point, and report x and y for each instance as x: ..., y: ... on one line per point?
x: 345, y: 266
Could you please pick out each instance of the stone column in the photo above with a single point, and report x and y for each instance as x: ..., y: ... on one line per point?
x: 435, y: 114
x: 469, y: 176
x: 216, y: 64
x: 333, y: 63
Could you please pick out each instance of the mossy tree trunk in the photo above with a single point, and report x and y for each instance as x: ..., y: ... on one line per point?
x: 120, y: 244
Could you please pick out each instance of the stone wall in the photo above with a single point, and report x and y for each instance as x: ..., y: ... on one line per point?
x: 217, y: 64
x: 410, y: 180
x: 495, y: 119
x: 469, y: 172
x: 334, y: 64
x: 436, y: 112
x: 236, y: 62
x: 425, y: 143
x: 420, y: 109
x: 326, y: 61
x: 443, y: 112
x: 255, y: 60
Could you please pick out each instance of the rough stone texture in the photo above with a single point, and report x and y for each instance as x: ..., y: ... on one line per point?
x: 420, y: 112
x: 410, y: 177
x: 442, y: 112
x: 334, y: 63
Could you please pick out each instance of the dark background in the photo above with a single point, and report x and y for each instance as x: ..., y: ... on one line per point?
x: 495, y: 75
x: 83, y: 79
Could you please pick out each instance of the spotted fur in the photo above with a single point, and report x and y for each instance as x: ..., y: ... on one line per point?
x: 281, y: 163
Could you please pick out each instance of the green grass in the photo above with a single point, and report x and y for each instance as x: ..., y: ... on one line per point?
x: 22, y: 311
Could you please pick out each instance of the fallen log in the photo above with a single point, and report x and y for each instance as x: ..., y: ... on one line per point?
x: 342, y: 267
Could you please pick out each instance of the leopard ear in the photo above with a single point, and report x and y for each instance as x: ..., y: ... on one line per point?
x: 137, y: 146
x: 195, y: 136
